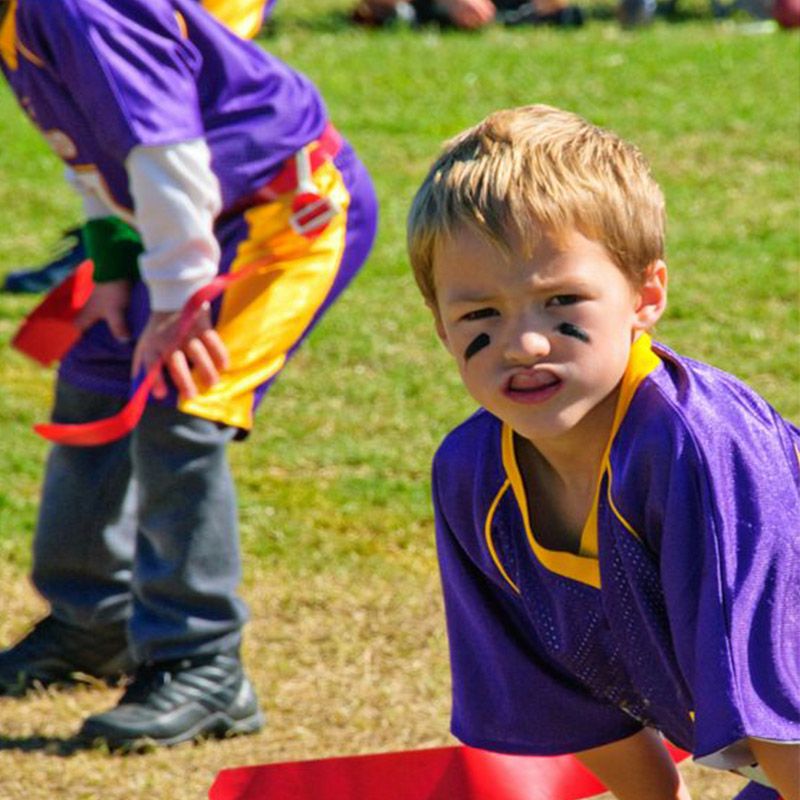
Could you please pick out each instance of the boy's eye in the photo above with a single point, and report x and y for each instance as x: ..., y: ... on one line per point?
x: 563, y: 300
x: 481, y: 313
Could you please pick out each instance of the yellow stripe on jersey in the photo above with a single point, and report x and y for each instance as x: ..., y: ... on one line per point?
x: 243, y: 17
x: 181, y: 20
x: 613, y: 506
x: 487, y: 532
x: 262, y: 317
x: 29, y: 55
x: 8, y: 36
x: 10, y: 45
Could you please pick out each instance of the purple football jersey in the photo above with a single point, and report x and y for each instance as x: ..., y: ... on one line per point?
x: 687, y: 620
x: 99, y: 77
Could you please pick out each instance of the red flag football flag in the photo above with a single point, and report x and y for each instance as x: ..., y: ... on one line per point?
x: 49, y: 331
x: 445, y: 773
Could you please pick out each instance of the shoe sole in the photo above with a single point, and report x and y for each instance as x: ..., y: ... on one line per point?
x: 217, y: 726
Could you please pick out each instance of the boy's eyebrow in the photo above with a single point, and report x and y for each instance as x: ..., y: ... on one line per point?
x: 468, y: 298
x: 558, y: 281
x: 558, y: 284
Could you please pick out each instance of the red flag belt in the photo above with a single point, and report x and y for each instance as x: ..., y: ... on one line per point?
x: 49, y: 332
x: 441, y: 773
x: 288, y: 180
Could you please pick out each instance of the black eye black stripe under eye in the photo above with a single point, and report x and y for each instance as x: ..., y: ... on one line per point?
x: 568, y: 329
x: 478, y: 343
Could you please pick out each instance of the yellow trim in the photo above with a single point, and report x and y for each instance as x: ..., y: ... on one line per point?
x: 580, y: 568
x: 588, y: 547
x: 29, y: 54
x: 625, y: 524
x: 243, y: 17
x: 8, y: 36
x: 264, y: 315
x: 487, y: 532
x: 181, y: 20
x: 584, y: 566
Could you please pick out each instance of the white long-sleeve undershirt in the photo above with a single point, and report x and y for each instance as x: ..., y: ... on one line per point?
x: 176, y: 197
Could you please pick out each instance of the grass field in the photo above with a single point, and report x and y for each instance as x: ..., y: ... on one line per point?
x: 346, y: 644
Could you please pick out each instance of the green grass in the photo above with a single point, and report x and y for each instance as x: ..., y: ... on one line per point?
x: 333, y: 484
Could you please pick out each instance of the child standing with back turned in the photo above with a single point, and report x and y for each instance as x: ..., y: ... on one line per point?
x: 617, y: 526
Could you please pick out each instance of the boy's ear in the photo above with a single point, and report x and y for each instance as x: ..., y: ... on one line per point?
x: 652, y: 296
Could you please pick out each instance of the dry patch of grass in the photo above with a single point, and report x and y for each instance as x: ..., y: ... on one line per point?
x: 342, y: 667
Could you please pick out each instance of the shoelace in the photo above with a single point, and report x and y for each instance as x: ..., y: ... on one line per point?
x: 172, y: 682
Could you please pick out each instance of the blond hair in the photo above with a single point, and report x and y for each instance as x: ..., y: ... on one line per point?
x: 533, y: 169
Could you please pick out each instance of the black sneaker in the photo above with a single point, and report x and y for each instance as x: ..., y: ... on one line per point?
x: 170, y: 702
x: 56, y: 652
x: 70, y: 253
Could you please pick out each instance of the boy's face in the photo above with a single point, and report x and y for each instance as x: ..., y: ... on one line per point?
x: 541, y: 341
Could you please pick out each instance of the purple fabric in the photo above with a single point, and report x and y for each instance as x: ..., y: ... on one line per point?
x: 755, y: 791
x: 114, y: 75
x: 698, y: 613
x: 268, y: 9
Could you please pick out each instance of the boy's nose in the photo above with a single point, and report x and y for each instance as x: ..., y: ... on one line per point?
x: 526, y: 345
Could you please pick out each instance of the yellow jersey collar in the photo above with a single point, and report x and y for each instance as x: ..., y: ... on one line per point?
x: 583, y: 566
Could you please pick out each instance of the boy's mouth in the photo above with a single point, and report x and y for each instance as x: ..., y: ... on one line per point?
x: 532, y: 386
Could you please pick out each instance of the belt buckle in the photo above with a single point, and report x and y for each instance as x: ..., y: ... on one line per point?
x: 311, y: 212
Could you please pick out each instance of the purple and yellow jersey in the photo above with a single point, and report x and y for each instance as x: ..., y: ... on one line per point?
x: 679, y: 612
x: 99, y: 78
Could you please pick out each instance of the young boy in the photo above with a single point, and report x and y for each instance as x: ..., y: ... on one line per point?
x: 617, y: 527
x: 197, y: 154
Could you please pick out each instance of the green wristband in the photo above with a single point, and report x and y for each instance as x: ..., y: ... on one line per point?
x: 114, y: 247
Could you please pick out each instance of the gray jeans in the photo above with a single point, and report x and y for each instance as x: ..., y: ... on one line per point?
x: 142, y: 531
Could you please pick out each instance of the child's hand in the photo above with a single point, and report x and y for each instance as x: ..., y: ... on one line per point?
x: 109, y: 301
x: 202, y: 350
